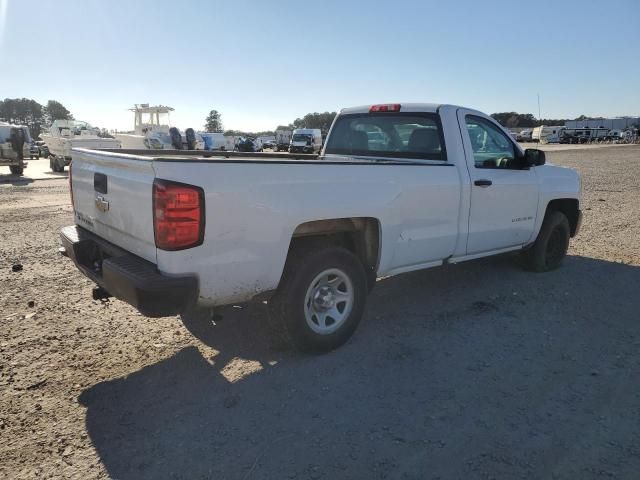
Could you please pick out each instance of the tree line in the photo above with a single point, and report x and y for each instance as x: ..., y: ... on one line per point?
x: 323, y: 121
x: 527, y: 120
x: 26, y: 111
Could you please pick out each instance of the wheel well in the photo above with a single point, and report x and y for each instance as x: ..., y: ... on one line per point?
x: 568, y: 206
x: 359, y: 235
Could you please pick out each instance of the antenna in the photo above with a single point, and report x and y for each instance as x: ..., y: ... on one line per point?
x: 539, y: 114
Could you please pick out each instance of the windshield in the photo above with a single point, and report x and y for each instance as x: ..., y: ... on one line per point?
x: 408, y: 135
x: 301, y: 137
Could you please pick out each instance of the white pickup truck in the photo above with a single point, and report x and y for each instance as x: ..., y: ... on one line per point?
x: 397, y: 187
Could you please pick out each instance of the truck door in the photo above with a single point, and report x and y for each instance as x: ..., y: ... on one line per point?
x: 504, y: 196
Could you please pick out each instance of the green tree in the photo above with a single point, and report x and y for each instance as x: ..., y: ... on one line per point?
x: 56, y: 111
x: 322, y: 121
x: 23, y: 111
x: 514, y: 119
x: 213, y: 122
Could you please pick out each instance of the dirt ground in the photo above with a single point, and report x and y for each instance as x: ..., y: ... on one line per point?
x: 476, y: 370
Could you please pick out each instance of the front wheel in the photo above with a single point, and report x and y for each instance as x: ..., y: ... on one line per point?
x: 321, y: 297
x: 550, y: 248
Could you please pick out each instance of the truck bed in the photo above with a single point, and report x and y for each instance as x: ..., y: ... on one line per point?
x: 254, y: 203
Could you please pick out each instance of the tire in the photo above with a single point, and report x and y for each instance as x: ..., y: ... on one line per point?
x: 16, y: 169
x: 550, y: 248
x: 321, y: 297
x: 55, y: 165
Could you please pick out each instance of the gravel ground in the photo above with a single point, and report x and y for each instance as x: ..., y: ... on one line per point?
x: 477, y: 370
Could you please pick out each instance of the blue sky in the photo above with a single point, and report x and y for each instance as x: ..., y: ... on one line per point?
x: 265, y: 63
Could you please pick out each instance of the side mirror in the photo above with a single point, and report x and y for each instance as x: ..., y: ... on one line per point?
x: 534, y: 157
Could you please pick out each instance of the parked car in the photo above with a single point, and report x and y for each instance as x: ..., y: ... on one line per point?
x: 446, y: 185
x: 270, y: 144
x: 525, y: 135
x: 34, y: 151
x: 246, y: 145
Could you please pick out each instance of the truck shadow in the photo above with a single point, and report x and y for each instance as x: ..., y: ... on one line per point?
x: 14, y: 180
x: 472, y: 370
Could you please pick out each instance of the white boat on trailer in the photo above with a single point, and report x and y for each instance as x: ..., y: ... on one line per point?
x: 64, y: 135
x: 152, y: 131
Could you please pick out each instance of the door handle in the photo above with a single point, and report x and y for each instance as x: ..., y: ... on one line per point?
x: 483, y: 183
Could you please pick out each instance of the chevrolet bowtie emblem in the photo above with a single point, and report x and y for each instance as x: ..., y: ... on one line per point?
x: 102, y: 204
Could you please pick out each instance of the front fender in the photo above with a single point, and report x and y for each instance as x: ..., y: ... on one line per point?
x: 555, y: 183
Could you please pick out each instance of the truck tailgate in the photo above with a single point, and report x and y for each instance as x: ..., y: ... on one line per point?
x: 112, y: 198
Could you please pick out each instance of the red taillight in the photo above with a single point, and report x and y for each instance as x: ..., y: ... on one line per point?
x: 178, y: 215
x: 71, y: 184
x: 386, y: 107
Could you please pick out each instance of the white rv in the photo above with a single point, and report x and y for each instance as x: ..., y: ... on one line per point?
x: 546, y: 134
x: 306, y: 140
x: 583, y: 135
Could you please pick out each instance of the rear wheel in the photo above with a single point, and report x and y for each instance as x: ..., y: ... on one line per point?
x: 550, y: 248
x: 321, y: 297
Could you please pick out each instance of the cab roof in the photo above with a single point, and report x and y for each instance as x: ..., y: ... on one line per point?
x: 404, y: 107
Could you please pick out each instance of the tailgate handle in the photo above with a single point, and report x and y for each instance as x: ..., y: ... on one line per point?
x: 100, y: 182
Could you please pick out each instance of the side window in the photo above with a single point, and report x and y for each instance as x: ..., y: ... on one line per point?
x: 491, y: 147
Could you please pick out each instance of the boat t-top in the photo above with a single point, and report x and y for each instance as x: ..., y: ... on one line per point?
x: 152, y: 130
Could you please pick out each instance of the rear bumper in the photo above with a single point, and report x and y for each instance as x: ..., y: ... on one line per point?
x: 128, y: 277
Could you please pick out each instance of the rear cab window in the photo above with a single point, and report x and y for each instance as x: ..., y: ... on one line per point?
x: 388, y: 135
